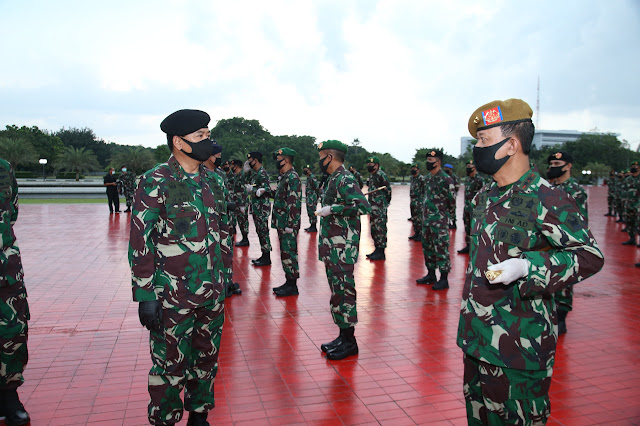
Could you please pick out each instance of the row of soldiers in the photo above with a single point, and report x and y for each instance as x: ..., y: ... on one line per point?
x: 623, y: 200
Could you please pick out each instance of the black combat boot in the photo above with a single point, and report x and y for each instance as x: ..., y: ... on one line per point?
x: 244, y: 242
x: 326, y: 347
x: 264, y: 260
x: 630, y: 242
x: 378, y: 254
x: 453, y: 226
x: 290, y: 288
x: 311, y: 228
x: 347, y: 347
x: 197, y: 419
x: 12, y: 409
x: 415, y: 237
x: 430, y: 278
x: 280, y: 287
x: 465, y: 250
x: 562, y: 321
x: 443, y: 282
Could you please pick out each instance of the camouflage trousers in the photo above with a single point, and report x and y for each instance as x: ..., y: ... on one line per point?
x: 416, y: 216
x: 14, y: 315
x: 498, y: 395
x: 312, y: 202
x: 466, y: 219
x: 128, y: 196
x: 343, y: 293
x: 378, y: 221
x: 289, y: 254
x: 564, y: 299
x: 452, y: 210
x: 610, y: 202
x: 435, y: 245
x: 260, y: 215
x: 631, y: 219
x: 185, y: 356
x: 243, y: 219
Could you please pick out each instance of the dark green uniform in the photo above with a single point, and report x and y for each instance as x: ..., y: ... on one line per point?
x: 287, y: 203
x: 14, y: 310
x: 471, y: 188
x: 379, y: 205
x: 452, y: 206
x: 416, y: 196
x: 179, y: 249
x: 358, y: 177
x: 239, y: 196
x: 439, y: 195
x: 311, y: 193
x: 508, y: 333
x: 261, y: 207
x: 632, y: 203
x: 127, y: 187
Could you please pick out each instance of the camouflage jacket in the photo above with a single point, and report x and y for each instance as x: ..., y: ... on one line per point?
x: 339, y: 240
x: 127, y: 183
x: 260, y: 179
x: 287, y: 202
x: 180, y: 244
x: 456, y: 181
x: 471, y: 188
x: 611, y: 186
x: 381, y: 198
x: 356, y: 174
x: 513, y: 325
x: 416, y: 190
x: 439, y: 195
x: 312, y: 189
x: 573, y: 188
x: 633, y: 191
x: 239, y: 193
x: 12, y: 274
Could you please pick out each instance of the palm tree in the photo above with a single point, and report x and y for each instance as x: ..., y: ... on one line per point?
x: 17, y: 151
x: 137, y: 159
x: 77, y: 160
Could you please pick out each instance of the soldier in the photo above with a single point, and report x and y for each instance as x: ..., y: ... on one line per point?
x: 285, y: 218
x: 379, y: 201
x: 559, y: 175
x: 311, y: 193
x: 610, y: 193
x: 439, y: 190
x: 240, y: 198
x: 448, y: 169
x: 416, y: 195
x: 619, y: 199
x: 471, y: 187
x: 179, y: 248
x: 632, y: 192
x: 338, y: 245
x: 126, y: 184
x: 357, y: 176
x: 528, y: 240
x: 14, y: 309
x: 260, y: 190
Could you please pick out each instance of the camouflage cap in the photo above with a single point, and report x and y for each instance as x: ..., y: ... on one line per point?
x: 471, y: 163
x: 255, y: 155
x: 373, y: 159
x: 333, y: 144
x: 284, y: 151
x: 434, y: 153
x: 185, y: 121
x: 560, y: 155
x: 496, y: 113
x: 415, y: 165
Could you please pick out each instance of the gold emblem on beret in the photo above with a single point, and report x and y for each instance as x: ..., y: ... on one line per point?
x: 248, y: 155
x: 279, y: 151
x: 476, y: 120
x: 320, y: 146
x: 558, y: 155
x: 371, y: 160
x: 432, y: 153
x: 492, y: 275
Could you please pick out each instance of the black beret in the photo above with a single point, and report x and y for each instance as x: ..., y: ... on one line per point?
x: 255, y: 154
x: 185, y: 121
x: 434, y: 153
x: 237, y: 163
x: 560, y: 155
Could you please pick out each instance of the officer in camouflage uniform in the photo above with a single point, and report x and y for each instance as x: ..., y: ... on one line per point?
x: 14, y: 310
x: 610, y: 193
x: 439, y: 195
x: 357, y: 176
x: 416, y: 195
x: 260, y: 190
x: 239, y: 195
x: 632, y: 192
x: 338, y: 245
x: 311, y: 193
x: 534, y: 239
x: 471, y: 187
x: 619, y: 199
x: 379, y: 201
x: 127, y: 186
x: 559, y: 175
x: 179, y: 248
x: 285, y: 218
x: 448, y: 169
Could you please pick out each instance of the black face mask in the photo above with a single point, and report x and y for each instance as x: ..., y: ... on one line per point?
x: 307, y: 172
x: 225, y: 168
x: 431, y: 166
x: 218, y: 162
x: 414, y: 172
x: 280, y: 164
x: 252, y: 163
x: 370, y: 169
x: 634, y: 169
x: 200, y: 151
x: 469, y: 171
x: 485, y: 158
x: 555, y: 172
x: 323, y: 167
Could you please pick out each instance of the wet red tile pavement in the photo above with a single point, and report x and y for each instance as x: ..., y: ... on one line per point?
x: 90, y: 356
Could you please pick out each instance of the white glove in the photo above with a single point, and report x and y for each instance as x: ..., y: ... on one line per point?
x: 249, y: 188
x: 243, y: 209
x: 324, y: 211
x: 288, y: 230
x: 512, y: 269
x: 246, y: 167
x: 260, y: 191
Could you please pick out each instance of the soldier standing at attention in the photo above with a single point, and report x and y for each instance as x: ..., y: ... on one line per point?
x: 379, y: 201
x: 632, y: 192
x: 559, y: 175
x: 438, y: 190
x: 528, y: 241
x: 610, y: 191
x: 448, y: 168
x: 260, y: 206
x: 338, y: 245
x: 285, y: 218
x: 178, y: 250
x: 14, y: 310
x: 311, y: 192
x: 357, y: 176
x: 471, y: 187
x: 416, y: 195
x: 127, y: 186
x: 240, y: 197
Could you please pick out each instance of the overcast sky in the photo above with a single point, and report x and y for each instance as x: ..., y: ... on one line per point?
x: 397, y: 74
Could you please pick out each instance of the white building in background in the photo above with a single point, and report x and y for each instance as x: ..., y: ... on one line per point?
x: 541, y: 139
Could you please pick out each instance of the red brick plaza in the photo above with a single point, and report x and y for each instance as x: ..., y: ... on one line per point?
x: 89, y: 355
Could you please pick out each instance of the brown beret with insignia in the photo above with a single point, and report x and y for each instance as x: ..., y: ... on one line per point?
x: 496, y: 113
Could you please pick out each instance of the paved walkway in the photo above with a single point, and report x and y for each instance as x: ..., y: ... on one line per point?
x: 90, y: 356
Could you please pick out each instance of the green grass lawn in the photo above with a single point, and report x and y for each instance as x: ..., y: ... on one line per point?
x: 66, y: 201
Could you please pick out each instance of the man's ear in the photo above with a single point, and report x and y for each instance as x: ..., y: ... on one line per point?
x: 514, y: 146
x: 177, y: 142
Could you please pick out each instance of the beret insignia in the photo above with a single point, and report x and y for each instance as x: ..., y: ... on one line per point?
x: 558, y: 155
x: 492, y: 116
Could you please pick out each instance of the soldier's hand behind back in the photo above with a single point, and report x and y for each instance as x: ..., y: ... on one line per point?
x: 150, y: 314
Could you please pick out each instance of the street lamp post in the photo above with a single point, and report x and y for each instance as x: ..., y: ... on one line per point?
x: 43, y: 161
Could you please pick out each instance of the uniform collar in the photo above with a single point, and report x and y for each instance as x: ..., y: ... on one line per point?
x: 177, y: 170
